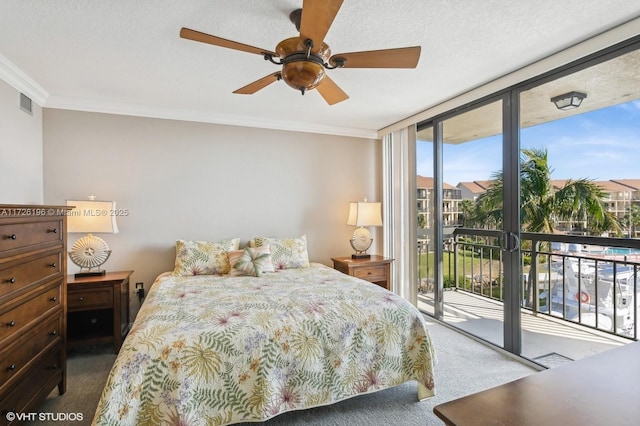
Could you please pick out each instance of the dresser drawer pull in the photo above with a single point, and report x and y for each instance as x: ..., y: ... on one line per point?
x: 11, y: 324
x: 52, y: 265
x: 53, y: 333
x: 53, y: 367
x: 10, y: 280
x: 53, y: 299
x: 52, y: 231
x: 11, y: 237
x: 11, y: 367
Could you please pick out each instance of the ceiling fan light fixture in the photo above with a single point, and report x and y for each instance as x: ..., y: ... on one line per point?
x: 305, y: 59
x: 303, y: 75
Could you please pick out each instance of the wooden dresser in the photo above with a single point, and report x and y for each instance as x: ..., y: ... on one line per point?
x: 32, y: 306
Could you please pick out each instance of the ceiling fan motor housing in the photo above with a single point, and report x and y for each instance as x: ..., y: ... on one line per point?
x: 302, y: 69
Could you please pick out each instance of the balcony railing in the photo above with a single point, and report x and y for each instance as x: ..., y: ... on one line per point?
x: 592, y: 281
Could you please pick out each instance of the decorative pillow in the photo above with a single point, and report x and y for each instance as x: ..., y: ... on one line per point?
x: 203, y: 257
x: 286, y: 253
x: 250, y: 261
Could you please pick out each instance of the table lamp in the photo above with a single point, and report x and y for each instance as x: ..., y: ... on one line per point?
x: 361, y: 214
x: 90, y: 252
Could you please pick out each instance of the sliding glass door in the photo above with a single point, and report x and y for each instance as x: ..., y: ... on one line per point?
x: 461, y: 203
x: 528, y: 207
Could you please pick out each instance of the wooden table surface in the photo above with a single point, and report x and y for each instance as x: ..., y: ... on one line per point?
x: 603, y: 389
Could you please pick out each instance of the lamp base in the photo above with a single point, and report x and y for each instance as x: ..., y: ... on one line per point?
x: 361, y: 256
x: 90, y: 274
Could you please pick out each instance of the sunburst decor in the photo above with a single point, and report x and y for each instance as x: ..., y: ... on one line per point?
x: 91, y: 252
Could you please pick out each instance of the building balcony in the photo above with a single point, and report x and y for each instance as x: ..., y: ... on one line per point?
x: 579, y: 295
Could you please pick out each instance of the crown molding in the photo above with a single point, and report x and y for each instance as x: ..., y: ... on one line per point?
x: 13, y: 76
x: 87, y: 105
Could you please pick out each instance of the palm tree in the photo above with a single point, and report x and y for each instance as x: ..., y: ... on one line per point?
x: 632, y: 220
x: 542, y: 205
x: 467, y: 208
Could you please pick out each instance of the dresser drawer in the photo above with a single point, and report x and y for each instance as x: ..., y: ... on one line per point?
x: 17, y: 356
x: 25, y: 234
x: 11, y: 322
x: 371, y: 273
x: 89, y: 298
x: 31, y: 270
x: 34, y: 387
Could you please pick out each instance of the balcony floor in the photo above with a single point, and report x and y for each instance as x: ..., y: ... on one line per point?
x: 545, y: 340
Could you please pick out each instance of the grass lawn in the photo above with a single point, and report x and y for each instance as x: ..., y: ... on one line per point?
x: 486, y: 270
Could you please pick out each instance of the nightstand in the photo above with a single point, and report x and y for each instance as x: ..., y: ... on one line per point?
x: 377, y: 269
x: 98, y: 309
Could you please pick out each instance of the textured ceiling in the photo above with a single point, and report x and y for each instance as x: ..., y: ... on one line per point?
x: 127, y: 57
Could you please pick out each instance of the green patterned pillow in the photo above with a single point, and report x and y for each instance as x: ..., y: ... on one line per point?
x: 287, y: 253
x: 250, y: 261
x: 203, y: 257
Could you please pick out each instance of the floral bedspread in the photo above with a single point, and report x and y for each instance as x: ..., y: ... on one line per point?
x: 221, y: 350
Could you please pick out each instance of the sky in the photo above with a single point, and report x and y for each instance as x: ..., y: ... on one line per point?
x: 602, y: 144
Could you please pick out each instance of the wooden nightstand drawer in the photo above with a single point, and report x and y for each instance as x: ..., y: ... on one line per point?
x: 90, y: 298
x: 371, y: 273
x: 98, y: 309
x: 376, y: 269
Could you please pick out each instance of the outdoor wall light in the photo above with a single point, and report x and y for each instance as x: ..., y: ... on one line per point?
x: 569, y: 100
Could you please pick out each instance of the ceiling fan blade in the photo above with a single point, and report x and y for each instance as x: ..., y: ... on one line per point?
x: 252, y: 88
x: 194, y: 35
x: 317, y: 17
x: 404, y: 57
x: 331, y: 92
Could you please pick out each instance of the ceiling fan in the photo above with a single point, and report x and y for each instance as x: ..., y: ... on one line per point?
x: 306, y: 58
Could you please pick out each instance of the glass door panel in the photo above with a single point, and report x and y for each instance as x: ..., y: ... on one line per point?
x: 426, y: 223
x: 581, y: 191
x: 470, y: 212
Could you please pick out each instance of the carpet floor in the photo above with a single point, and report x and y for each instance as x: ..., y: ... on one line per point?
x: 464, y: 366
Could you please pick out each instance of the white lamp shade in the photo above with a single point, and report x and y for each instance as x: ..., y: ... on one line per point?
x: 362, y: 213
x: 92, y: 217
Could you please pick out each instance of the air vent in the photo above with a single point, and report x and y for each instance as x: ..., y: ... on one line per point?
x: 25, y: 103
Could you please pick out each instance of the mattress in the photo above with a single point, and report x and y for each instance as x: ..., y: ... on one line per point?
x: 222, y: 349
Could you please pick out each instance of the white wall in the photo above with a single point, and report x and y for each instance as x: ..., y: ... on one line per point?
x: 20, y: 150
x: 185, y: 180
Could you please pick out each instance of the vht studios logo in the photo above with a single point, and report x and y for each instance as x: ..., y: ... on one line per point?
x: 51, y: 417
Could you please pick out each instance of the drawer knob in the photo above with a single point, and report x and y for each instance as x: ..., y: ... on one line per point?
x: 53, y: 367
x: 11, y: 367
x: 11, y: 280
x: 12, y: 237
x: 81, y: 298
x: 52, y: 231
x: 53, y: 333
x: 52, y: 265
x: 53, y: 298
x: 11, y: 324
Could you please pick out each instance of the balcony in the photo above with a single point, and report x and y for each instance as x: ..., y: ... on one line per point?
x: 579, y: 294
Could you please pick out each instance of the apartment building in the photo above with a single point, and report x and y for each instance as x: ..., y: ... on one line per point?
x: 451, y: 210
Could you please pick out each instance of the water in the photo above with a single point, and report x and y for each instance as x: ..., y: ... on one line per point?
x: 621, y: 251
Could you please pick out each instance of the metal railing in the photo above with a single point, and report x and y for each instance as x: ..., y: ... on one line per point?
x: 591, y: 281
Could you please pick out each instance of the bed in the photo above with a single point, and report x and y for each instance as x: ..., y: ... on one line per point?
x: 223, y: 349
